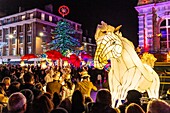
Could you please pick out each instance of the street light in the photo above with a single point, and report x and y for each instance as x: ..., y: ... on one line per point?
x: 41, y: 34
x: 11, y: 36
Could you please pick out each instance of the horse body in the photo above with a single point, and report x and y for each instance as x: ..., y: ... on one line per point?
x: 127, y: 71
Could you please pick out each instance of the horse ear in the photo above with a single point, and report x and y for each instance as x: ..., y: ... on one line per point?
x: 117, y: 28
x: 103, y: 23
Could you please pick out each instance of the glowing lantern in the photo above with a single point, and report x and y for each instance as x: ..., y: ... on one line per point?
x: 127, y: 71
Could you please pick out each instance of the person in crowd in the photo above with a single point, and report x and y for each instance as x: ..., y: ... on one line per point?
x: 13, y: 87
x: 88, y: 99
x: 55, y: 85
x: 158, y: 106
x: 77, y: 102
x: 66, y: 104
x: 49, y: 95
x: 39, y: 86
x: 17, y: 103
x: 49, y: 76
x: 30, y: 97
x: 3, y: 97
x: 41, y: 77
x: 43, y: 105
x: 59, y: 110
x: 134, y: 108
x: 133, y: 96
x: 13, y: 75
x: 29, y: 84
x: 103, y: 103
x: 68, y: 89
x: 56, y: 99
x: 7, y: 81
x: 85, y: 86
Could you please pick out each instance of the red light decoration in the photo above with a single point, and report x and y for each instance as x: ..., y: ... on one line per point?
x: 63, y: 10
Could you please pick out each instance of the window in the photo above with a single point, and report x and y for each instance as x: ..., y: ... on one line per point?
x: 15, y: 19
x: 21, y: 51
x: 23, y: 17
x: 42, y: 16
x: 8, y: 20
x: 29, y: 50
x: 29, y: 28
x: 0, y: 32
x: 50, y: 18
x: 6, y: 51
x: 44, y: 28
x: 90, y: 48
x: 163, y: 23
x: 20, y: 39
x: 29, y: 38
x: 89, y: 40
x: 14, y: 31
x: 6, y: 40
x: 31, y: 16
x: 84, y: 39
x: 13, y: 51
x: 13, y: 40
x: 21, y: 28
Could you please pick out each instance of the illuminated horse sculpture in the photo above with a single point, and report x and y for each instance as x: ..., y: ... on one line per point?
x: 127, y: 71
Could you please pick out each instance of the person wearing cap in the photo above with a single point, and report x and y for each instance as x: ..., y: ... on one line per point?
x: 85, y: 85
x: 17, y: 103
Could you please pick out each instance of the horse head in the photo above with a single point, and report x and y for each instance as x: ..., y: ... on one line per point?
x: 108, y: 43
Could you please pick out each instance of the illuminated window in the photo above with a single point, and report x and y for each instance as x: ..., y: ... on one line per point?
x: 14, y: 31
x: 31, y: 16
x: 84, y: 39
x: 21, y: 51
x: 6, y: 51
x: 23, y: 17
x: 42, y: 16
x: 90, y: 48
x: 50, y: 18
x: 13, y: 51
x: 89, y: 40
x: 29, y: 49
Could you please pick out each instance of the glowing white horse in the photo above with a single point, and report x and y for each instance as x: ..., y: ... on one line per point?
x: 127, y: 71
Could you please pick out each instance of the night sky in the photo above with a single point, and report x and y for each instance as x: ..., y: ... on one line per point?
x: 89, y: 13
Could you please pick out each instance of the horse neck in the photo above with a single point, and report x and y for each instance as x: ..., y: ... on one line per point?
x: 129, y: 51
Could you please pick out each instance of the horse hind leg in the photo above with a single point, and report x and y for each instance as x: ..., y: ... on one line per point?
x: 153, y: 90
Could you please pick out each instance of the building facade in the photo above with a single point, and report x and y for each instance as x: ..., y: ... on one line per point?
x: 89, y: 47
x: 29, y: 32
x: 154, y: 25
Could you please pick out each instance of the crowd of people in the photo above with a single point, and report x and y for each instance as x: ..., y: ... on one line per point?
x: 30, y: 89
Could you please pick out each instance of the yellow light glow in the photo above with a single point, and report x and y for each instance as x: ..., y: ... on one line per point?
x: 22, y: 64
x: 43, y: 65
x: 65, y: 63
x: 41, y: 34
